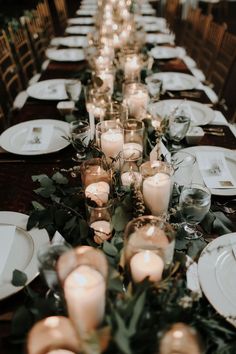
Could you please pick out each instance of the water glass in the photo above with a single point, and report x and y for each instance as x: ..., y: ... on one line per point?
x: 80, y: 137
x: 183, y: 164
x: 154, y: 87
x: 194, y: 202
x: 73, y: 89
x: 178, y: 127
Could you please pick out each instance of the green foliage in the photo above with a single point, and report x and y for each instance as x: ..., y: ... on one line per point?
x: 18, y: 278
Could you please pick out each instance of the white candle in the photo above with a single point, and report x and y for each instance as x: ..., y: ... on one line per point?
x: 112, y: 142
x: 98, y: 192
x: 132, y: 67
x: 102, y: 230
x: 60, y: 351
x: 137, y: 104
x: 91, y: 124
x: 132, y: 151
x: 84, y: 290
x: 108, y: 80
x: 156, y: 193
x: 131, y: 177
x: 101, y: 62
x: 97, y: 112
x: 146, y: 264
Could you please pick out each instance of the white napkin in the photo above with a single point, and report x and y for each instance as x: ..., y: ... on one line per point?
x: 38, y: 137
x: 57, y: 239
x: 7, y: 234
x: 214, y: 170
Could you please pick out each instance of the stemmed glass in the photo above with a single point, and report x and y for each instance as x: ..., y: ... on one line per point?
x: 73, y: 89
x: 80, y: 137
x: 178, y: 127
x: 48, y: 255
x: 194, y: 202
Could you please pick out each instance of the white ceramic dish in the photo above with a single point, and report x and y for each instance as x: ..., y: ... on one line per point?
x: 175, y: 81
x: 49, y: 90
x: 230, y: 157
x: 164, y: 52
x: 86, y: 12
x: 148, y: 11
x: 159, y: 38
x: 13, y: 138
x: 81, y: 21
x: 70, y: 41
x: 200, y: 113
x: 23, y: 253
x: 65, y: 54
x: 217, y: 274
x: 83, y: 30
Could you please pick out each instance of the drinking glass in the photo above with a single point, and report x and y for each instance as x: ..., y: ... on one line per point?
x: 154, y: 88
x: 183, y: 164
x: 73, y: 89
x: 48, y: 255
x: 194, y: 202
x: 80, y: 137
x: 178, y: 127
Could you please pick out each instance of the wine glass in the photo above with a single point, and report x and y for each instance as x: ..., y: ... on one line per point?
x: 47, y: 256
x: 73, y: 89
x: 80, y: 137
x: 194, y: 202
x: 178, y: 127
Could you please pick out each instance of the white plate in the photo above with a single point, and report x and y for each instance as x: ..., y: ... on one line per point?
x: 159, y: 38
x: 13, y: 138
x: 49, y: 90
x: 175, y: 81
x: 163, y: 52
x: 86, y: 12
x: 81, y: 21
x: 154, y: 27
x: 65, y: 54
x: 70, y: 41
x: 230, y: 157
x: 148, y: 11
x: 200, y: 113
x: 79, y: 29
x: 23, y: 254
x: 151, y: 19
x: 217, y: 274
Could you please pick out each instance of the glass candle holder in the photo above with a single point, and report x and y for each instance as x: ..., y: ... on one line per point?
x: 116, y: 111
x: 133, y: 135
x: 83, y: 273
x: 107, y: 75
x: 97, y: 100
x: 157, y: 186
x: 80, y: 136
x: 137, y: 99
x: 130, y: 167
x: 99, y: 219
x: 132, y: 66
x: 149, y: 247
x: 110, y: 138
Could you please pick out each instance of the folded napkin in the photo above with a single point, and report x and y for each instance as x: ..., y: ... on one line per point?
x: 38, y: 137
x: 214, y: 170
x: 7, y: 234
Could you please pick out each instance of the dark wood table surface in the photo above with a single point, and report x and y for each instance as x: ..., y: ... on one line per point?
x: 16, y: 186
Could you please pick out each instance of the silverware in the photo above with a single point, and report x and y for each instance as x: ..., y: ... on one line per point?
x: 216, y: 129
x: 214, y: 133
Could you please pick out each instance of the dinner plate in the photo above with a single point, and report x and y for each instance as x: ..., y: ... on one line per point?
x: 230, y: 157
x: 175, y: 81
x: 23, y: 253
x: 49, y: 90
x: 217, y: 274
x: 148, y: 11
x: 65, y: 54
x: 163, y: 52
x: 81, y: 21
x: 154, y: 27
x: 200, y: 114
x: 151, y: 19
x: 13, y: 139
x: 79, y: 29
x: 86, y: 12
x: 70, y: 41
x: 159, y: 38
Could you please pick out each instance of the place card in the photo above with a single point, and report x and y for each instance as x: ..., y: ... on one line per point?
x: 214, y: 170
x: 38, y: 137
x: 7, y: 234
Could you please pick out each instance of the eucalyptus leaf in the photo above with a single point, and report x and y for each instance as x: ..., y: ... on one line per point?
x: 137, y: 311
x: 38, y: 178
x: 115, y: 284
x: 109, y: 249
x: 37, y: 205
x: 120, y: 219
x: 121, y: 335
x: 19, y: 278
x: 59, y: 178
x: 45, y: 191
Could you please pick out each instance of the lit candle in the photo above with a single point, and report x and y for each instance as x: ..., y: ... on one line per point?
x: 132, y: 151
x: 132, y: 67
x: 137, y: 103
x: 131, y: 177
x: 112, y: 142
x: 94, y: 174
x: 156, y: 193
x: 102, y: 230
x: 98, y: 192
x: 97, y: 112
x: 101, y: 62
x: 108, y: 80
x: 146, y: 264
x: 84, y: 290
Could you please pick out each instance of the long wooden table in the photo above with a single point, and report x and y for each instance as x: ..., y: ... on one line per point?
x: 16, y: 186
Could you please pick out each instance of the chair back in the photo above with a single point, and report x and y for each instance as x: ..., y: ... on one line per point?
x: 61, y: 12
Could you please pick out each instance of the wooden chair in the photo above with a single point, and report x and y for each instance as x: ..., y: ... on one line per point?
x: 210, y: 47
x: 23, y: 53
x: 9, y: 73
x: 223, y: 62
x: 62, y: 13
x: 172, y: 12
x: 190, y: 26
x: 45, y: 18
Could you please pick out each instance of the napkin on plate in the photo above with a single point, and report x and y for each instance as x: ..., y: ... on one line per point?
x: 38, y: 137
x: 214, y: 170
x: 7, y: 234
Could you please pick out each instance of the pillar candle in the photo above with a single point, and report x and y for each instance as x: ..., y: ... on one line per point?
x: 156, y: 193
x: 102, y: 230
x: 131, y: 177
x: 132, y: 151
x: 146, y: 264
x: 132, y: 67
x: 112, y: 142
x: 137, y: 104
x: 98, y: 192
x: 84, y: 290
